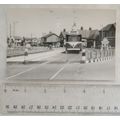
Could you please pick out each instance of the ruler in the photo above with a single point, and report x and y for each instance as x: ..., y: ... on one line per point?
x: 60, y: 99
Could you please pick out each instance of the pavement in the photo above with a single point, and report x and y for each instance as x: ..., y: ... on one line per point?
x: 35, y: 57
x: 19, y: 51
x: 56, y: 65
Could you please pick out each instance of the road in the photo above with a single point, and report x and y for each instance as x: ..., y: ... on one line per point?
x: 56, y: 65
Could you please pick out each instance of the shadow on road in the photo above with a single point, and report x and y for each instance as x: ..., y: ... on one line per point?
x: 71, y: 52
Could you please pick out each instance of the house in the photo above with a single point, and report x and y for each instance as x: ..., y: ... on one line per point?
x: 27, y: 40
x: 14, y: 41
x: 93, y: 39
x: 10, y: 42
x: 85, y: 33
x: 50, y: 39
x: 17, y: 40
x: 35, y: 42
x: 32, y: 41
x: 109, y: 32
x: 91, y: 36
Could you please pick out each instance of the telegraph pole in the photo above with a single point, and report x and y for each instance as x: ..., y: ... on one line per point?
x: 102, y: 32
x: 14, y: 27
x: 10, y: 30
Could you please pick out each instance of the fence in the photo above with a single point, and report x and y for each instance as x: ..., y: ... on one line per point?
x: 93, y: 54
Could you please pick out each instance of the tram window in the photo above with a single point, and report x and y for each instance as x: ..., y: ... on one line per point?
x: 73, y: 38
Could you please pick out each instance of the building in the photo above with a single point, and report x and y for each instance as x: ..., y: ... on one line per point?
x: 109, y: 32
x: 50, y: 39
x: 32, y: 41
x: 14, y: 41
x: 88, y: 35
x: 91, y: 36
x: 18, y: 40
x: 35, y: 41
x: 93, y: 39
x: 27, y: 40
x: 10, y: 42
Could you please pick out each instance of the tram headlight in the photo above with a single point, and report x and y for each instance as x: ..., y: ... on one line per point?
x: 68, y: 45
x: 78, y: 46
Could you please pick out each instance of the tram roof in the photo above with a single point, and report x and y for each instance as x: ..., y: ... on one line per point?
x: 73, y: 34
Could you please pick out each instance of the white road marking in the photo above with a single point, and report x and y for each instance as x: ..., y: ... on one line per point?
x: 31, y: 68
x: 57, y: 72
x: 26, y: 70
x: 37, y: 67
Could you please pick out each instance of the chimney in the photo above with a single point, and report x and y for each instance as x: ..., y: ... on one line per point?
x: 64, y: 30
x: 90, y: 28
x: 50, y: 31
x: 81, y: 28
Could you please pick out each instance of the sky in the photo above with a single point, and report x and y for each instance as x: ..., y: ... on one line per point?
x: 37, y: 21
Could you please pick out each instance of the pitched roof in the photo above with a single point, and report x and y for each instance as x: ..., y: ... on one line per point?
x: 49, y: 40
x: 84, y: 33
x: 93, y: 34
x: 87, y: 34
x: 63, y: 34
x: 107, y: 27
x: 48, y: 35
x: 17, y: 37
x: 29, y: 38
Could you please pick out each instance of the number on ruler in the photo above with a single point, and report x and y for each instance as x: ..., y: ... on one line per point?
x: 77, y: 107
x: 7, y: 106
x: 62, y: 107
x: 100, y: 108
x: 30, y: 107
x: 15, y: 106
x: 54, y: 107
x: 46, y: 107
x: 38, y: 106
x: 85, y: 107
x: 92, y: 107
x: 108, y: 108
x: 22, y: 107
x: 115, y: 107
x: 70, y: 107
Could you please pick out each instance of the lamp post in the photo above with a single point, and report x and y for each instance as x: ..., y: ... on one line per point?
x: 14, y: 27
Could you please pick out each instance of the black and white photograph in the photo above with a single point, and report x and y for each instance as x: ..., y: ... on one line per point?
x: 61, y: 44
x: 59, y: 59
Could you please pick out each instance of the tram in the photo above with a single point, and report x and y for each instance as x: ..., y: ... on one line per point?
x: 73, y: 42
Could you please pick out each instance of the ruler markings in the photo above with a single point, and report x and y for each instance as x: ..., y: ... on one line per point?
x: 61, y: 99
